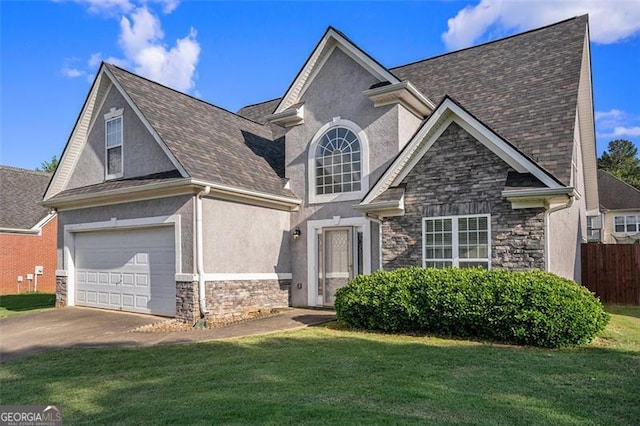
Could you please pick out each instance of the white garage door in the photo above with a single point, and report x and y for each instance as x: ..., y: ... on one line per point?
x: 129, y: 270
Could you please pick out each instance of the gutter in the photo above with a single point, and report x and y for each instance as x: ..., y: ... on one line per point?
x: 200, y: 251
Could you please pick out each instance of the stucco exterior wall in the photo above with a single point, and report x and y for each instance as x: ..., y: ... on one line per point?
x: 180, y: 205
x: 459, y: 176
x: 20, y: 253
x: 240, y: 238
x: 141, y: 153
x: 568, y: 227
x: 335, y: 92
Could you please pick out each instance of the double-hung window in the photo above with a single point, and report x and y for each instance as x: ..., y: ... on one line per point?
x: 462, y: 241
x: 629, y: 224
x: 113, y: 144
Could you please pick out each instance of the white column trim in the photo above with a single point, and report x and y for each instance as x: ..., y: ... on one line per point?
x: 313, y: 226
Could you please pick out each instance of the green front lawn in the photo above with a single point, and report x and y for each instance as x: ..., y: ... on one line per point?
x: 17, y: 304
x: 335, y: 376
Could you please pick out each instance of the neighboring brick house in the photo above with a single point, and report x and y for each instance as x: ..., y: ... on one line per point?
x: 28, y: 232
x: 480, y: 157
x: 620, y: 207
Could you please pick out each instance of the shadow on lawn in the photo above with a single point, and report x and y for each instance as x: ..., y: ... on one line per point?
x: 327, y: 376
x: 626, y: 310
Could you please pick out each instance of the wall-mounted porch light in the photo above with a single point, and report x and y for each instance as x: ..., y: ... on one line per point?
x: 296, y: 233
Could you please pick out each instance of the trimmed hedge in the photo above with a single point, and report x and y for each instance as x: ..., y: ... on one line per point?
x: 526, y: 308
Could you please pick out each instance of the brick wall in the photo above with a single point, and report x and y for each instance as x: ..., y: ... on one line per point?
x: 459, y: 176
x: 20, y: 253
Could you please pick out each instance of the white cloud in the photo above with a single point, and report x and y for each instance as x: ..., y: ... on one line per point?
x: 609, y: 21
x: 94, y: 60
x: 72, y: 72
x: 106, y: 7
x: 141, y: 40
x: 626, y: 131
x: 616, y: 123
x: 144, y: 50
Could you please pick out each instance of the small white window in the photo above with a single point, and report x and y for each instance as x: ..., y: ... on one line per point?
x: 462, y: 241
x: 629, y: 224
x: 113, y: 144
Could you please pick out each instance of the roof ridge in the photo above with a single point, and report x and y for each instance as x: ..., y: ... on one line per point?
x: 185, y: 94
x: 260, y: 103
x: 492, y: 41
x: 23, y: 170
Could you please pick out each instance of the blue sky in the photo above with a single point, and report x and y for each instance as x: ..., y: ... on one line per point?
x: 237, y: 53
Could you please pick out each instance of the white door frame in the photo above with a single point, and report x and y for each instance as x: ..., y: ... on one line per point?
x: 113, y: 224
x: 313, y: 228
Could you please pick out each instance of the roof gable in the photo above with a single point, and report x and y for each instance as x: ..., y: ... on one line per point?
x: 447, y: 112
x: 103, y: 83
x: 20, y: 194
x: 524, y: 87
x: 213, y: 144
x: 331, y: 40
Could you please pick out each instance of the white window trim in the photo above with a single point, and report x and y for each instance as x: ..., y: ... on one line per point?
x: 313, y: 228
x: 454, y: 239
x: 364, y: 164
x: 625, y: 232
x: 112, y: 115
x: 69, y: 248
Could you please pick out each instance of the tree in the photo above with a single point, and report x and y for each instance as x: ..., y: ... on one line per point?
x: 49, y: 166
x: 621, y: 160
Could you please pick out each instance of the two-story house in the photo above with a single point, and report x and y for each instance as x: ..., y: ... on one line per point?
x: 480, y: 157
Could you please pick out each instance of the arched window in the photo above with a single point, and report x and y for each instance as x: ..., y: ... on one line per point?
x: 338, y: 163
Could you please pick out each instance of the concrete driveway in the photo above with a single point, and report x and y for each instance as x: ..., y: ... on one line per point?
x: 75, y: 327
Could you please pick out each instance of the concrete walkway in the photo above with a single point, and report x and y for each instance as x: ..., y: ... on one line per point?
x: 75, y: 327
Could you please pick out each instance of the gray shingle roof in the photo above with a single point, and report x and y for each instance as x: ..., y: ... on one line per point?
x: 212, y: 144
x: 524, y: 87
x: 20, y: 192
x: 615, y: 194
x: 166, y: 177
x: 258, y: 112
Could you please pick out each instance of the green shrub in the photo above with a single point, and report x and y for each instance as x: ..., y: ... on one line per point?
x: 528, y: 308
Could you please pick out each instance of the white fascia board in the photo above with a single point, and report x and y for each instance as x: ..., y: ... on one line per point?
x: 403, y: 92
x: 249, y: 195
x: 538, y: 192
x: 435, y: 125
x: 72, y: 149
x: 146, y: 123
x: 288, y: 118
x: 122, y: 195
x: 323, y: 50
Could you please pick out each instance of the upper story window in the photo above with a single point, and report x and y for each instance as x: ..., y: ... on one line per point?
x: 462, y: 241
x: 338, y: 163
x: 113, y: 143
x: 629, y: 224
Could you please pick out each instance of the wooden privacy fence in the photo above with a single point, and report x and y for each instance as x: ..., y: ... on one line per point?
x: 612, y: 271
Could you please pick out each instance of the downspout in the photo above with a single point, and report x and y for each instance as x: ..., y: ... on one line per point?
x: 547, y: 241
x: 200, y: 251
x: 377, y: 220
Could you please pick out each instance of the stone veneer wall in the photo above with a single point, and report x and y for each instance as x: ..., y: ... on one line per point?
x: 459, y: 176
x: 187, y: 305
x: 228, y: 300
x: 61, y: 291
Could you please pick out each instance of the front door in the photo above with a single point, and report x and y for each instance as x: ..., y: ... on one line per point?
x: 337, y: 264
